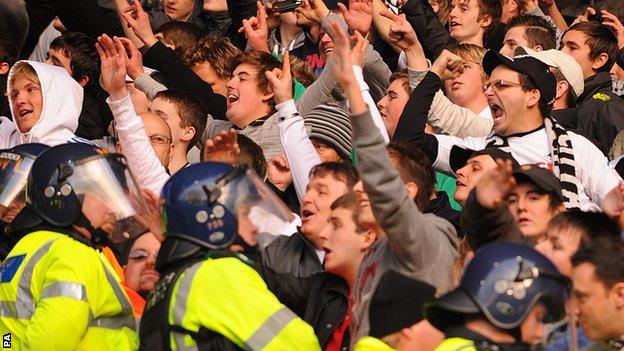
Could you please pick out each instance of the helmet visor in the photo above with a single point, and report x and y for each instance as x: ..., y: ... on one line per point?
x: 257, y: 208
x: 110, y: 198
x: 14, y: 170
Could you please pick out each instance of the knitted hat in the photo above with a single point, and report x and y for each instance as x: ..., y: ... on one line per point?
x: 330, y: 124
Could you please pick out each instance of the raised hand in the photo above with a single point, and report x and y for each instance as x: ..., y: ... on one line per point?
x: 447, y: 65
x: 401, y: 32
x: 113, y: 66
x: 494, y: 186
x: 358, y: 52
x: 342, y: 64
x: 279, y: 172
x: 613, y: 205
x: 138, y: 20
x: 584, y: 17
x: 256, y: 29
x: 313, y: 10
x: 223, y: 148
x: 359, y: 15
x: 281, y: 81
x: 610, y: 20
x: 152, y: 220
x: 134, y: 63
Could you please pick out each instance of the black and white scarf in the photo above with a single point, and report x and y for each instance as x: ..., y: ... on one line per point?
x: 562, y: 156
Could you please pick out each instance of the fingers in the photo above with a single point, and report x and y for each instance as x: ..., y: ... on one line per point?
x: 261, y: 14
x: 360, y: 42
x: 286, y: 64
x: 120, y: 49
x: 272, y: 77
x: 343, y: 10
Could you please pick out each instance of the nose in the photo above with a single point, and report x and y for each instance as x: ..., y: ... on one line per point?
x: 151, y: 260
x: 382, y: 103
x: 325, y: 234
x: 325, y: 38
x: 230, y: 83
x: 521, y: 204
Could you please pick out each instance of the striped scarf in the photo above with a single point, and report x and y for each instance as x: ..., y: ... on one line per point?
x: 562, y: 156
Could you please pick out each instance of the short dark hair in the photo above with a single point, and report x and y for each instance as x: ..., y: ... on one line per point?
x: 251, y: 156
x: 402, y: 74
x: 341, y: 171
x: 600, y: 39
x: 492, y: 8
x: 571, y: 97
x: 413, y: 165
x: 80, y: 49
x: 605, y: 254
x: 191, y: 109
x: 591, y: 225
x: 349, y: 201
x: 537, y: 31
x: 183, y: 35
x: 527, y: 84
x: 263, y: 61
x: 217, y: 51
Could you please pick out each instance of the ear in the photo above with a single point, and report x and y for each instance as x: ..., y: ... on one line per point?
x: 368, y: 239
x: 538, y: 47
x: 485, y: 21
x: 618, y: 290
x: 118, y: 148
x: 562, y: 89
x: 532, y: 98
x: 268, y: 95
x: 412, y: 190
x: 187, y: 133
x: 436, y: 7
x: 84, y: 80
x: 600, y: 61
x: 4, y: 68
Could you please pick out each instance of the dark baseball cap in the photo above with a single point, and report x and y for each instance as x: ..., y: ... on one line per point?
x: 527, y: 64
x: 541, y: 177
x: 459, y: 156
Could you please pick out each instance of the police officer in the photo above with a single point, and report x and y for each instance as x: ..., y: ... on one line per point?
x: 507, y: 291
x: 57, y: 291
x: 209, y: 297
x: 15, y: 164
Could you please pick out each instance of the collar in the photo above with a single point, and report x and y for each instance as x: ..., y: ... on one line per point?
x: 256, y: 123
x: 600, y: 82
x: 521, y: 134
x: 481, y: 342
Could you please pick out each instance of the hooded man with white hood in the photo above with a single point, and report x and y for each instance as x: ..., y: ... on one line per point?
x: 45, y: 103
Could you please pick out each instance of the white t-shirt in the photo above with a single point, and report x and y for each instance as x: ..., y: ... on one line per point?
x: 592, y: 167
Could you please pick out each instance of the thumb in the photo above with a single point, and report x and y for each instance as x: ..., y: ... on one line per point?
x: 272, y: 77
x: 343, y: 9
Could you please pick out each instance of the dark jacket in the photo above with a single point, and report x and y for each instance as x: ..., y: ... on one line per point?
x: 600, y: 112
x: 430, y: 31
x: 480, y: 341
x: 293, y: 255
x: 441, y: 207
x: 322, y: 299
x: 95, y: 115
x: 181, y: 77
x: 483, y: 225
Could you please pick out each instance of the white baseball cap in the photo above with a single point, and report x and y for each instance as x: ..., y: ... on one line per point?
x: 568, y: 66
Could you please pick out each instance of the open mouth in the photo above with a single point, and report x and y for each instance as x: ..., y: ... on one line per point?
x: 306, y: 214
x: 231, y: 98
x: 25, y: 113
x: 453, y: 24
x: 497, y: 111
x: 455, y: 85
x: 328, y: 50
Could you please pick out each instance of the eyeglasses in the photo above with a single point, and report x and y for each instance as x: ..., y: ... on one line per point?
x: 159, y: 139
x: 499, y: 85
x: 141, y: 255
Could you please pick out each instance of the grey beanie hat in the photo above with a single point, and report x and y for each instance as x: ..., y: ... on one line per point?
x: 330, y: 124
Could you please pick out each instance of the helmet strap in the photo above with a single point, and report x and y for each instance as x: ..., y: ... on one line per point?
x: 99, y: 238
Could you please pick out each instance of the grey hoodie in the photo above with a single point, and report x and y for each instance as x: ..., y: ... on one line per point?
x: 62, y: 103
x: 421, y: 246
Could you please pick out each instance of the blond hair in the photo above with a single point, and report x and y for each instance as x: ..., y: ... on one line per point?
x: 471, y: 53
x: 24, y: 69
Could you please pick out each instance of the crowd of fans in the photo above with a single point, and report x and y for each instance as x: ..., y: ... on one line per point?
x: 312, y: 174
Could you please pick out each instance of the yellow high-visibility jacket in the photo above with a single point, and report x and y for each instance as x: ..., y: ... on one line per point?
x: 59, y: 294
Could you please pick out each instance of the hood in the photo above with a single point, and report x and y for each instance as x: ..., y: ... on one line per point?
x: 62, y: 104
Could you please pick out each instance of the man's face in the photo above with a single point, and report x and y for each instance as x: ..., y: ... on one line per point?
x: 16, y: 206
x: 465, y: 88
x: 514, y: 37
x: 325, y: 152
x: 139, y: 273
x: 244, y: 98
x: 464, y: 24
x: 469, y: 175
x: 532, y: 327
x: 167, y: 111
x: 159, y: 133
x: 215, y: 6
x: 575, y: 45
x: 27, y: 103
x: 326, y: 47
x: 59, y: 58
x: 204, y: 71
x: 392, y: 104
x: 530, y: 209
x: 342, y: 244
x: 179, y: 10
x: 367, y: 218
x: 559, y: 247
x: 321, y: 192
x: 508, y: 103
x: 594, y: 304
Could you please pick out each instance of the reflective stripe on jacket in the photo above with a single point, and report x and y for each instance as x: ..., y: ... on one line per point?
x: 59, y: 294
x: 228, y: 297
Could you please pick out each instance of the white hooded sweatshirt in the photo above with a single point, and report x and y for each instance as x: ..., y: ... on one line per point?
x: 62, y: 104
